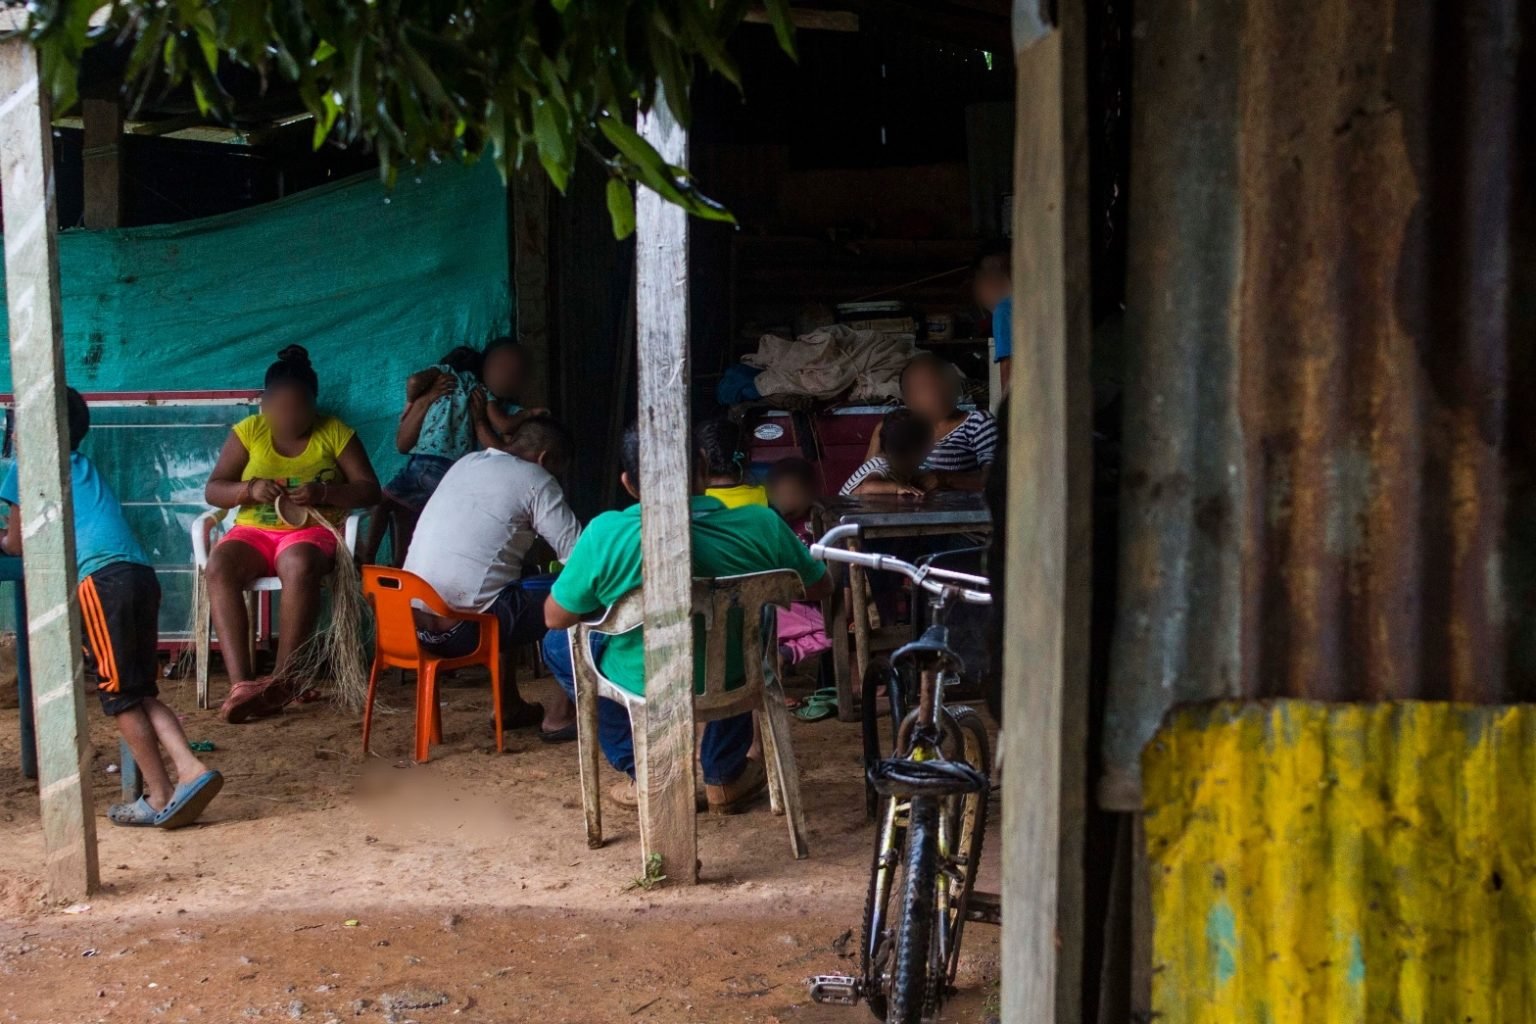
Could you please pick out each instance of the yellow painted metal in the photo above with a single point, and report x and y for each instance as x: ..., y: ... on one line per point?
x: 1318, y: 862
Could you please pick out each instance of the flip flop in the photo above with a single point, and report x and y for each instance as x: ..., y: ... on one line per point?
x: 138, y: 814
x: 190, y: 800
x: 528, y: 715
x: 565, y: 735
x: 818, y: 706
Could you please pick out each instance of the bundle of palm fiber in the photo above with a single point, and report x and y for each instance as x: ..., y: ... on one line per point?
x: 333, y: 657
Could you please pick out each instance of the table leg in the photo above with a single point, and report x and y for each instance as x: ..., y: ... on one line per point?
x: 861, y: 631
x: 24, y: 687
x: 834, y: 611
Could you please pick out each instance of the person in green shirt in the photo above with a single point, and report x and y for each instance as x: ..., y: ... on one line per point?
x: 605, y: 565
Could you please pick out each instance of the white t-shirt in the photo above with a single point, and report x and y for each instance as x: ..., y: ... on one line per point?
x: 481, y: 522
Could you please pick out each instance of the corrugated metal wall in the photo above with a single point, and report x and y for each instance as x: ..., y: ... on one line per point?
x: 1326, y: 862
x: 1324, y: 490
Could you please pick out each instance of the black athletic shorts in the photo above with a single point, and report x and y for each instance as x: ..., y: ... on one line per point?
x: 120, y: 614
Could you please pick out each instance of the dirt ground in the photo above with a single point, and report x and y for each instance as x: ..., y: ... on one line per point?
x: 325, y: 887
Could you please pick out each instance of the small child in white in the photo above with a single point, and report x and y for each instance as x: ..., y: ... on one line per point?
x: 905, y: 439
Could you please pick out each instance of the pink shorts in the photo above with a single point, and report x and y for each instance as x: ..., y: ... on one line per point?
x: 271, y: 543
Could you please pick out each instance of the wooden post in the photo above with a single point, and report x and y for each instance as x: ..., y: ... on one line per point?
x: 530, y: 279
x: 101, y: 156
x: 666, y: 472
x: 1035, y: 573
x: 48, y: 536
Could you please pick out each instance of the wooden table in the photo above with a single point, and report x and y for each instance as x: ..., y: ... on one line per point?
x: 879, y: 518
x: 10, y: 572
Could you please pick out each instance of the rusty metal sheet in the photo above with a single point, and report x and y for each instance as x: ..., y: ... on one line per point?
x: 1318, y: 484
x: 1326, y: 862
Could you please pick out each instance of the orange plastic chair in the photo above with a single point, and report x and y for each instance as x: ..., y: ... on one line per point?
x: 392, y: 593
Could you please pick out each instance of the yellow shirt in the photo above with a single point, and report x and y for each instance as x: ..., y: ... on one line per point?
x: 315, y: 464
x: 740, y: 495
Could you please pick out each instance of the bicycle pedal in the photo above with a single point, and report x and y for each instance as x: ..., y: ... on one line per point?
x: 834, y: 989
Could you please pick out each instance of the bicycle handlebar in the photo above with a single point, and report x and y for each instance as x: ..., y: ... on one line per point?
x: 936, y: 581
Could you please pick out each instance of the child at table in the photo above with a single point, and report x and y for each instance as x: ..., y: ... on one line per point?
x: 792, y: 494
x: 119, y: 600
x: 905, y: 439
x: 720, y: 441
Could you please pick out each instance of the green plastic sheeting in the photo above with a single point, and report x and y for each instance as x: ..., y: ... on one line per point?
x: 374, y: 283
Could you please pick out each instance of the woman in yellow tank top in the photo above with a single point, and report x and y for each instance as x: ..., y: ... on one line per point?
x: 288, y: 450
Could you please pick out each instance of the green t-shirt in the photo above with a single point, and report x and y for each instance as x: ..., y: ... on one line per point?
x: 605, y: 565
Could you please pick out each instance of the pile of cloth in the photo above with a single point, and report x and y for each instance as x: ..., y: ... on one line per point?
x: 831, y: 362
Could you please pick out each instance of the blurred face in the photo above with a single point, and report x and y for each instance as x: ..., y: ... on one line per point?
x: 905, y: 465
x: 289, y: 411
x: 929, y: 392
x: 991, y: 284
x: 791, y: 498
x: 503, y: 372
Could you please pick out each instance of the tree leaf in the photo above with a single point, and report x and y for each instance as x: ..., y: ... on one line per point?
x: 621, y: 208
x: 783, y: 25
x: 550, y: 136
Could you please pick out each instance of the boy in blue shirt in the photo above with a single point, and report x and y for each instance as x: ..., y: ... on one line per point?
x: 120, y: 614
x: 992, y: 284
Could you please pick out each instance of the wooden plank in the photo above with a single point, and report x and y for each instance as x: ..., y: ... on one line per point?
x: 667, y: 823
x: 1037, y: 498
x: 824, y: 21
x: 48, y: 539
x: 101, y: 155
x: 530, y: 279
x: 1078, y: 569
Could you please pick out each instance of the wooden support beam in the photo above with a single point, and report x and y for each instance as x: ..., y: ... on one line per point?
x: 101, y: 156
x: 1037, y: 545
x: 666, y: 468
x: 48, y: 537
x: 810, y: 20
x: 530, y: 279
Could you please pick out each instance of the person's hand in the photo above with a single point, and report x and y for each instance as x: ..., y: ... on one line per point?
x: 909, y: 491
x: 265, y: 492
x: 477, y: 403
x: 309, y: 494
x: 442, y: 387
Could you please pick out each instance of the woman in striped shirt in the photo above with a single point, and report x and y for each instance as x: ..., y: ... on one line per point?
x: 965, y: 443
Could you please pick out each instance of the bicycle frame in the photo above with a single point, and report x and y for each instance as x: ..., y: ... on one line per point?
x: 920, y: 735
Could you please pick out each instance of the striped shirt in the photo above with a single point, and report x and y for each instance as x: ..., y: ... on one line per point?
x: 875, y: 469
x: 969, y: 447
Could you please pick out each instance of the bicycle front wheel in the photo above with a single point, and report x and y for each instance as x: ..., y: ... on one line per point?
x: 914, y: 931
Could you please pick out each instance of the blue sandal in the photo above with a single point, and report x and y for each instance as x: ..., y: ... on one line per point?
x: 190, y: 800
x: 138, y: 814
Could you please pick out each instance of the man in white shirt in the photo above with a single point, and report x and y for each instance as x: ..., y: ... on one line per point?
x: 470, y: 543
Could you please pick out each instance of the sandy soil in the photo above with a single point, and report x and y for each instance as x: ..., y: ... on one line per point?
x: 325, y: 887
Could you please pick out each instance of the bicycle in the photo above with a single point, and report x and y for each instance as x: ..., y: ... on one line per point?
x: 931, y: 801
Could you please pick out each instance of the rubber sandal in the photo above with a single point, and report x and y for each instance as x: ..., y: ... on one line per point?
x: 245, y: 701
x: 190, y: 800
x: 818, y: 706
x: 565, y: 735
x: 138, y: 814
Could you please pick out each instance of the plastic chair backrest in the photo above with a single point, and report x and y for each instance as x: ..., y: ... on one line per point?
x: 713, y: 602
x: 393, y: 592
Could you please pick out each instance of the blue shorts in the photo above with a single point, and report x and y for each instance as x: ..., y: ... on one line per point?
x: 414, y: 484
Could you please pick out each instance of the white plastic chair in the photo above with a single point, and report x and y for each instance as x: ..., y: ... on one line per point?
x: 757, y: 595
x: 206, y: 531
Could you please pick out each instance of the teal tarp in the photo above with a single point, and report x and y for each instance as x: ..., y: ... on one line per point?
x: 374, y: 283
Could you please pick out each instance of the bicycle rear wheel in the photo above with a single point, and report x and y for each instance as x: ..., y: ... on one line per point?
x: 909, y: 992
